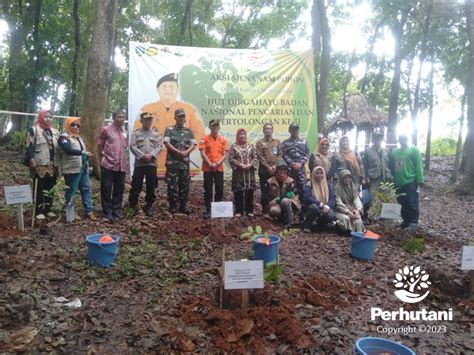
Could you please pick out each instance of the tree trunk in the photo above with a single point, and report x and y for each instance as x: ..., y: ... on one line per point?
x: 421, y: 57
x: 457, y: 159
x: 468, y: 180
x: 395, y: 86
x: 184, y: 23
x: 325, y: 64
x: 190, y: 22
x: 15, y: 70
x: 430, y: 119
x: 75, y: 58
x: 316, y: 43
x: 37, y: 56
x: 98, y: 71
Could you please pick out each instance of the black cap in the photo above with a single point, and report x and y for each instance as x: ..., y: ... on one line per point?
x: 168, y: 77
x: 214, y: 122
x: 146, y: 115
x: 293, y: 125
x: 179, y: 112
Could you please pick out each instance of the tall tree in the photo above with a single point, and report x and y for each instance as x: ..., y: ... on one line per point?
x: 468, y: 180
x: 457, y: 158
x: 98, y: 70
x: 321, y: 39
x: 430, y: 118
x: 75, y: 58
x: 397, y: 31
x: 421, y: 58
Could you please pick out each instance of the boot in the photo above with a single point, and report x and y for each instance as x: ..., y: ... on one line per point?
x: 173, y: 208
x: 183, y: 208
x: 148, y: 210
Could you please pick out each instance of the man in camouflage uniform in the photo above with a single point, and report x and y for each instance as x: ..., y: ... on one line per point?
x: 296, y: 155
x: 179, y: 142
x: 145, y: 144
x: 268, y: 153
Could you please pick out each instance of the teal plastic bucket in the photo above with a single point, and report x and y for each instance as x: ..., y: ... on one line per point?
x: 101, y: 254
x: 371, y: 345
x: 267, y: 253
x: 362, y: 247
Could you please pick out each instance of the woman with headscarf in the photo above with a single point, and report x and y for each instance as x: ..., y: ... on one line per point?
x: 349, y: 207
x: 321, y: 157
x: 73, y: 164
x: 319, y: 200
x: 345, y: 158
x: 41, y: 150
x: 243, y: 160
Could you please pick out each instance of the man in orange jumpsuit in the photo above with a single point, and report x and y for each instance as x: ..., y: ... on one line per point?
x: 163, y: 113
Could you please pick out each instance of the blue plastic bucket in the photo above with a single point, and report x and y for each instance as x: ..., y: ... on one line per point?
x: 370, y: 345
x: 363, y: 247
x: 267, y: 253
x: 101, y: 254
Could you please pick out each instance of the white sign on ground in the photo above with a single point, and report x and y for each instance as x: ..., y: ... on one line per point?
x: 239, y: 275
x: 391, y: 211
x: 17, y: 194
x: 467, y: 258
x: 222, y: 209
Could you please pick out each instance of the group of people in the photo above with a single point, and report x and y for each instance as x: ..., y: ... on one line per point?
x: 331, y: 196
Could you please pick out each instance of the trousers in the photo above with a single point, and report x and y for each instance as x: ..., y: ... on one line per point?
x: 216, y: 179
x: 140, y: 172
x: 112, y: 184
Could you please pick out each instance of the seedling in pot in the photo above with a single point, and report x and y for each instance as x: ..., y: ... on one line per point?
x: 256, y: 234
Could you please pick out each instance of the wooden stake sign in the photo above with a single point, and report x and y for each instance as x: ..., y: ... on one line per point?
x: 222, y: 210
x: 240, y: 275
x: 15, y: 195
x: 467, y: 263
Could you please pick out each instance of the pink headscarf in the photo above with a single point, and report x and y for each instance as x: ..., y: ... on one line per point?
x: 40, y: 119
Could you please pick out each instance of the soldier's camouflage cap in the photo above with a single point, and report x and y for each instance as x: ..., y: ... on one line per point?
x: 281, y: 164
x: 179, y: 112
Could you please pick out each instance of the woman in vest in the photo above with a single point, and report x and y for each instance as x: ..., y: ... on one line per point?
x: 72, y: 158
x: 41, y: 149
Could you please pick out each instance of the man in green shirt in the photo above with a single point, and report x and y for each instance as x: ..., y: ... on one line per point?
x: 407, y: 170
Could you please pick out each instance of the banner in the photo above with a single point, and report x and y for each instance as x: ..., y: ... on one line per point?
x: 242, y: 88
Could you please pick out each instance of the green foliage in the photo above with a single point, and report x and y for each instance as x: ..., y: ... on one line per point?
x: 386, y: 193
x: 414, y: 245
x: 57, y: 196
x: 443, y: 146
x: 273, y: 272
x: 251, y: 233
x: 18, y: 141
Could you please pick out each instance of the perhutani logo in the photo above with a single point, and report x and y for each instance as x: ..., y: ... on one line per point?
x: 410, y: 281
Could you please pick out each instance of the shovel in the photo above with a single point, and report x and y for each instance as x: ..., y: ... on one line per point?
x: 70, y: 215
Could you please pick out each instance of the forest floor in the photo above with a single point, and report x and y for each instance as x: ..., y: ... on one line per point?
x: 161, y: 294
